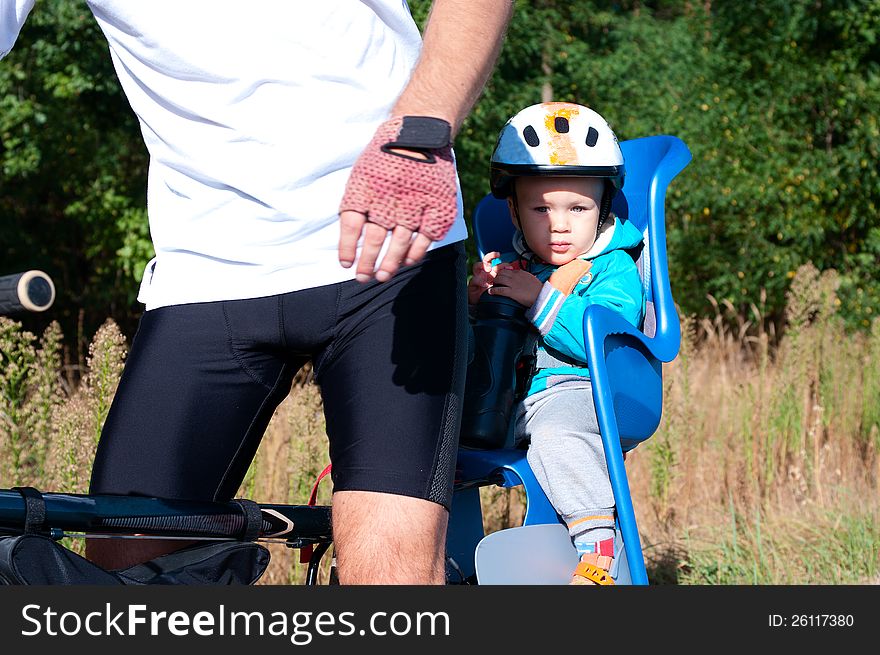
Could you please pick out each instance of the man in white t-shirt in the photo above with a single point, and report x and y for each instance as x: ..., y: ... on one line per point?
x: 303, y: 206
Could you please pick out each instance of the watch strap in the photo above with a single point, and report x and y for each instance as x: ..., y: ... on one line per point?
x: 422, y: 133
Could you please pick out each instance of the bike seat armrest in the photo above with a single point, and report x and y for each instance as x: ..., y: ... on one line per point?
x: 601, y: 322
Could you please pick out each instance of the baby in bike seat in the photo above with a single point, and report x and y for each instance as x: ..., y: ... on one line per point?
x: 559, y: 165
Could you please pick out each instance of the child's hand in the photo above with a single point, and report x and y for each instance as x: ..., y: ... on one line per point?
x: 483, y: 277
x: 521, y: 286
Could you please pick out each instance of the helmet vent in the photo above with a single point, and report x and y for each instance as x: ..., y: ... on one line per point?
x: 531, y: 136
x: 561, y: 124
x: 592, y: 136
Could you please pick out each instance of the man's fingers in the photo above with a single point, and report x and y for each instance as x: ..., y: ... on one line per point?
x: 351, y: 224
x: 397, y: 249
x: 417, y: 249
x: 402, y: 248
x: 374, y: 238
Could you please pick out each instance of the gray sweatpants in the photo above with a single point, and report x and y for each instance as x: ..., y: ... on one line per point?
x: 567, y: 457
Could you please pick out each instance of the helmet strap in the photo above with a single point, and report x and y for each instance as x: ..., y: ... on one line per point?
x: 518, y: 221
x: 604, y: 207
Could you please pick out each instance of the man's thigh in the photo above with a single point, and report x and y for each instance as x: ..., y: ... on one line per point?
x: 393, y: 380
x: 197, y: 392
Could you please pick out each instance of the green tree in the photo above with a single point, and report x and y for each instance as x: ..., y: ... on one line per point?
x: 775, y: 99
x: 72, y: 168
x: 790, y: 173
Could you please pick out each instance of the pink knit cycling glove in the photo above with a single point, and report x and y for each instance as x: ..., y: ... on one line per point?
x: 394, y: 189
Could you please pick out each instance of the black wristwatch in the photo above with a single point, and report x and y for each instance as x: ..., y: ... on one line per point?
x: 421, y: 133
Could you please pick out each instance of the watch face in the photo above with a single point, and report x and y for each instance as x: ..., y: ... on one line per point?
x: 424, y: 132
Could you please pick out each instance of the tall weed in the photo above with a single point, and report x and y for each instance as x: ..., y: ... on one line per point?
x: 30, y: 390
x: 77, y: 421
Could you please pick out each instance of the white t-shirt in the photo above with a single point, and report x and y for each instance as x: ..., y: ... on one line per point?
x: 253, y: 114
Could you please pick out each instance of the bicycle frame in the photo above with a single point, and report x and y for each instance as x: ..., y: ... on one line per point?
x: 101, y: 516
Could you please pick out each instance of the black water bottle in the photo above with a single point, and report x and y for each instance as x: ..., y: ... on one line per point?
x: 503, y: 356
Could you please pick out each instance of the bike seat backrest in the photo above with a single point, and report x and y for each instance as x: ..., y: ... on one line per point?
x: 651, y: 163
x: 620, y: 207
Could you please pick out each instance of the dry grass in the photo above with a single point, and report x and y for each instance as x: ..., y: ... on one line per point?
x: 765, y: 468
x: 292, y: 455
x: 765, y: 452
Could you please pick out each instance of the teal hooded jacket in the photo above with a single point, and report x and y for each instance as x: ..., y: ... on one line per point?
x: 613, y: 281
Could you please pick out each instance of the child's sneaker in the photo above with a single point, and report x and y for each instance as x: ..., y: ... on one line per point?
x: 594, y: 567
x: 593, y: 570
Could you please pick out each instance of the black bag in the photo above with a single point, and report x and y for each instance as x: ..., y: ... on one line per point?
x: 35, y: 559
x: 32, y: 559
x: 222, y: 563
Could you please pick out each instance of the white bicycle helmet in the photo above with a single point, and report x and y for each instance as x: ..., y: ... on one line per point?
x: 557, y: 139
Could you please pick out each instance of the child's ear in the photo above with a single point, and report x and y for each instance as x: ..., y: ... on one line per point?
x: 511, y: 207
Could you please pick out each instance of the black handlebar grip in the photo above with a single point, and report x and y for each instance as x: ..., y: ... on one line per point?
x: 31, y: 291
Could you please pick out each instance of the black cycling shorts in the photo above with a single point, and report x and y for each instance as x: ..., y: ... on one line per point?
x: 202, y: 381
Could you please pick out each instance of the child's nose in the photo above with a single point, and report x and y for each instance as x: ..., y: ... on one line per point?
x: 558, y: 222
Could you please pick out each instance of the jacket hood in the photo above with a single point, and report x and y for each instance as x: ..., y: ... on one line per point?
x: 620, y: 235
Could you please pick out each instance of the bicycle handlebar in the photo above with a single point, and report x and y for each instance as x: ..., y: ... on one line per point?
x: 31, y: 291
x: 116, y: 515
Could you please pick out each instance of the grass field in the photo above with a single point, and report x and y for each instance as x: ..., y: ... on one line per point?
x: 765, y: 469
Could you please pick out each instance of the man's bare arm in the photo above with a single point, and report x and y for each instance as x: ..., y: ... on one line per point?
x: 462, y: 41
x: 461, y: 44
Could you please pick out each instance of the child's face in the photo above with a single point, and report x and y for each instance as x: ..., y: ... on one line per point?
x: 558, y: 215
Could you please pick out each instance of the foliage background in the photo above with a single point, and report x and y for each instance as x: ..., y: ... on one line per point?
x: 765, y: 468
x: 777, y: 101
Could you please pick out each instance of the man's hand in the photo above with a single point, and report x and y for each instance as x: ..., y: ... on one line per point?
x: 404, y: 183
x: 462, y: 40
